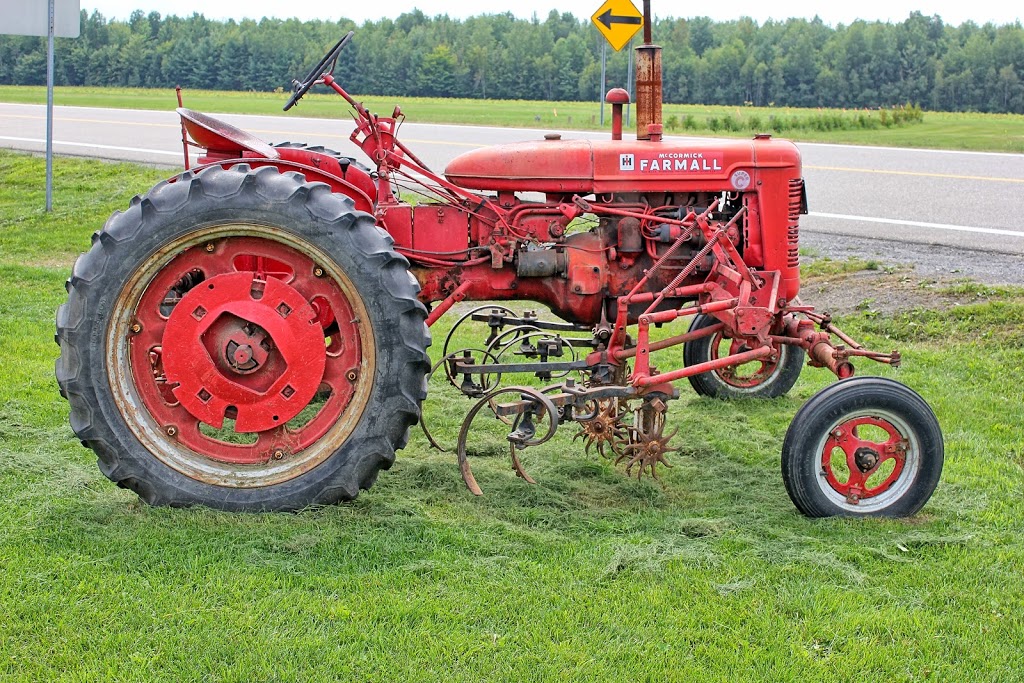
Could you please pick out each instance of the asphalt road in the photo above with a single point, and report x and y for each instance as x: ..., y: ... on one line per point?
x: 953, y: 201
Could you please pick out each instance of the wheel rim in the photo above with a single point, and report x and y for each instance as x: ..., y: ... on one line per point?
x: 240, y: 356
x: 868, y: 460
x: 747, y: 375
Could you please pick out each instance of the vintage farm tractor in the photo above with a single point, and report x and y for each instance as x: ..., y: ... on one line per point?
x: 252, y: 334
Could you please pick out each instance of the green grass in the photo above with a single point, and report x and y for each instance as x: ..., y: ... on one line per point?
x: 586, y: 576
x: 983, y: 132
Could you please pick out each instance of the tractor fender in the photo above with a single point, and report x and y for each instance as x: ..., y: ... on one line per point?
x: 356, y: 183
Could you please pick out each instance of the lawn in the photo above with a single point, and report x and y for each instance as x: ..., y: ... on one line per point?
x: 586, y: 576
x: 937, y: 130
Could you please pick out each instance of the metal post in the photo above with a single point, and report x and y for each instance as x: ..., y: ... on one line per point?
x: 604, y: 59
x: 629, y: 76
x: 49, y: 111
x: 647, y: 23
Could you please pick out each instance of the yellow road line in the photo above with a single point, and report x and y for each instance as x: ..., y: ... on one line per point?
x: 919, y: 174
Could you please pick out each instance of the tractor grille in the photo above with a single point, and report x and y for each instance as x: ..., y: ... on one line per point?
x: 796, y: 188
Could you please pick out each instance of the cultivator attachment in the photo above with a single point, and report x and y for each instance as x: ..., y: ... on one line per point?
x: 606, y: 382
x: 634, y: 437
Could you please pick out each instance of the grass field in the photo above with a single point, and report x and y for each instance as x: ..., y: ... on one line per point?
x: 983, y: 132
x: 587, y: 576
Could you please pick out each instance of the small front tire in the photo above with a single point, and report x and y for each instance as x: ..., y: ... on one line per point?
x: 863, y: 447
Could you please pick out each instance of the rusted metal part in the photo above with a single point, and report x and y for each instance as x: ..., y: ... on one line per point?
x: 647, y: 446
x: 467, y: 386
x: 624, y: 354
x: 217, y: 136
x: 649, y: 451
x: 648, y: 91
x: 824, y: 321
x: 184, y: 131
x: 537, y: 405
x: 648, y: 26
x: 603, y: 426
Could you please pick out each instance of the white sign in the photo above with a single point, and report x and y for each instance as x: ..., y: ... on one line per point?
x: 32, y: 18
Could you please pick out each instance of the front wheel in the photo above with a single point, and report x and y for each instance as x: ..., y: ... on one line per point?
x: 756, y: 379
x: 866, y: 446
x: 242, y: 339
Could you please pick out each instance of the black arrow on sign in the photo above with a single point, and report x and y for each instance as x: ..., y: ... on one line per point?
x: 608, y: 19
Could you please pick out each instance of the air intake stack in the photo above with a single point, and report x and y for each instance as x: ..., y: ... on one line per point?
x: 648, y: 82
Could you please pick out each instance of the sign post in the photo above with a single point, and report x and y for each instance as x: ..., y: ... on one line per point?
x: 618, y: 21
x: 49, y: 107
x: 61, y: 19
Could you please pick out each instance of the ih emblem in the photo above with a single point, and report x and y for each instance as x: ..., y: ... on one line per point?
x: 626, y: 162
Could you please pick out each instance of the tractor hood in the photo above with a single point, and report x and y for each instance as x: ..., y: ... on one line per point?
x: 599, y: 166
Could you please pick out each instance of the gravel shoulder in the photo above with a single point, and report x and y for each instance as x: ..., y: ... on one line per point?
x: 905, y: 275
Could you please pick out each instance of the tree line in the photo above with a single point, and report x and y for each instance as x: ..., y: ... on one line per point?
x: 798, y: 62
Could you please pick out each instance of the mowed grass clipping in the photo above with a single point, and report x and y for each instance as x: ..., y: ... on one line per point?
x: 587, y: 576
x: 937, y: 130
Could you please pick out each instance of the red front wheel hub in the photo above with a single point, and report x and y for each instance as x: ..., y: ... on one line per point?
x: 858, y: 465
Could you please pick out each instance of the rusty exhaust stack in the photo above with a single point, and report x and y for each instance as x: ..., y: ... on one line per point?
x: 648, y: 81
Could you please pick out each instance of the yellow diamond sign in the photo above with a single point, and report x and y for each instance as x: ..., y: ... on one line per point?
x: 618, y: 21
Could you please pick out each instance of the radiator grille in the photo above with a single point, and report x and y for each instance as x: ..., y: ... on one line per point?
x: 796, y: 188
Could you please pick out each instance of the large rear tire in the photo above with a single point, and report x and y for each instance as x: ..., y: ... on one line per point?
x: 242, y: 339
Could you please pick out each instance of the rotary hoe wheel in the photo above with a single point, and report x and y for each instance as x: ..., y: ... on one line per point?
x: 242, y: 339
x: 757, y: 379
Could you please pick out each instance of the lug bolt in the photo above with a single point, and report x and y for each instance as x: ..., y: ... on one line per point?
x: 209, y: 247
x: 171, y: 431
x: 351, y: 375
x: 135, y: 328
x: 318, y: 271
x: 278, y: 454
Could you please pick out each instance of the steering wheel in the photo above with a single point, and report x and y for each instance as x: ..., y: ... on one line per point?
x: 303, y: 86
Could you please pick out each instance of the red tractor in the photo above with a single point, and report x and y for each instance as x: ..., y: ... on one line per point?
x: 252, y: 334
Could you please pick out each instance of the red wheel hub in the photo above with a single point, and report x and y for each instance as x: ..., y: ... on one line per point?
x: 240, y: 342
x: 863, y: 458
x: 246, y: 350
x: 748, y: 375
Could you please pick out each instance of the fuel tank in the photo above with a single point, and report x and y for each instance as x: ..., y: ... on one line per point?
x: 601, y: 166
